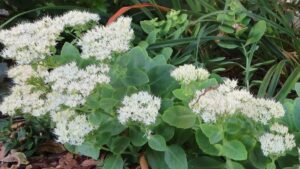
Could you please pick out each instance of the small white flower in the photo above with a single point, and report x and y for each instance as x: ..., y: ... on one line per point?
x: 276, y: 144
x: 70, y: 80
x: 140, y: 107
x: 280, y: 129
x: 74, y: 18
x: 23, y: 100
x: 73, y: 130
x: 71, y: 85
x: 102, y: 41
x: 31, y: 42
x: 21, y: 73
x: 226, y: 100
x: 189, y: 73
x: 262, y: 110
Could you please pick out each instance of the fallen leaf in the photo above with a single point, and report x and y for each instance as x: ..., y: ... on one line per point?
x: 68, y: 162
x: 89, y: 163
x: 2, y: 151
x: 51, y: 147
x: 18, y: 124
x: 17, y: 157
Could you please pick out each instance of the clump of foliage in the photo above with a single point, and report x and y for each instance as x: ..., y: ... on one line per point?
x: 103, y: 94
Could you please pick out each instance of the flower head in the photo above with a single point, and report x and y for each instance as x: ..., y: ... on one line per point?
x: 102, y: 41
x: 21, y: 73
x: 31, y: 42
x: 22, y: 99
x: 74, y: 18
x: 70, y: 84
x: 72, y: 130
x: 227, y: 100
x: 189, y: 73
x: 276, y: 144
x: 140, y: 107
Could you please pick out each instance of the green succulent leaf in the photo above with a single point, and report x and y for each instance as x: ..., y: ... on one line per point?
x: 157, y: 142
x: 175, y: 157
x: 180, y: 117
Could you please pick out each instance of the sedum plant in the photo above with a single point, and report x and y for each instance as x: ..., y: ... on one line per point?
x: 103, y: 95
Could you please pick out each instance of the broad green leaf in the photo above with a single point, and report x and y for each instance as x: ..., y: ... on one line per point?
x: 181, y: 94
x: 97, y: 117
x: 257, y: 158
x: 137, y: 57
x: 235, y: 150
x: 156, y: 159
x: 166, y: 103
x: 233, y: 125
x: 102, y: 137
x: 157, y: 142
x: 207, y: 84
x: 213, y: 132
x: 136, y: 77
x: 165, y: 130
x: 175, y: 157
x: 204, y: 145
x: 233, y: 165
x: 137, y: 137
x: 161, y: 81
x: 167, y: 52
x: 88, y: 149
x: 108, y: 104
x: 180, y: 117
x: 119, y: 144
x: 249, y: 141
x: 113, y: 162
x: 256, y: 32
x: 147, y: 26
x: 271, y: 166
x: 68, y: 50
x: 205, y: 162
x: 152, y: 36
x: 113, y: 126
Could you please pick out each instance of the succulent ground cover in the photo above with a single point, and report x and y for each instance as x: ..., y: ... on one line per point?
x: 183, y: 86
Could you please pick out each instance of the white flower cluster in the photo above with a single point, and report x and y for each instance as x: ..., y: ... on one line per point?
x: 71, y: 128
x: 22, y: 98
x: 74, y: 18
x: 227, y: 100
x: 102, y: 41
x: 21, y: 73
x: 189, y: 73
x: 70, y: 85
x: 29, y: 42
x: 277, y: 142
x: 140, y: 107
x: 66, y: 86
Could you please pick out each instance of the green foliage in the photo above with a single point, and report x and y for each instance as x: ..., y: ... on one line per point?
x: 240, y: 39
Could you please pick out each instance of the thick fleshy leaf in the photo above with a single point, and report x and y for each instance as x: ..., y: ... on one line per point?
x: 175, y: 157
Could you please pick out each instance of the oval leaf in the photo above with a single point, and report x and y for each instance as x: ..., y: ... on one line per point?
x: 157, y: 142
x: 114, y: 161
x: 175, y: 157
x: 235, y: 150
x: 180, y: 117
